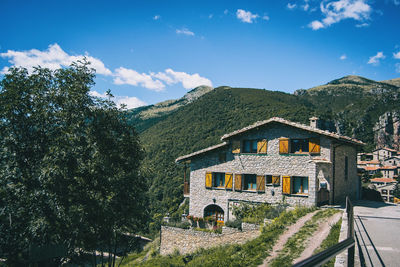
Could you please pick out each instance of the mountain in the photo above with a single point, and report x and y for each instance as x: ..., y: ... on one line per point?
x: 395, y: 82
x: 352, y: 105
x: 144, y: 117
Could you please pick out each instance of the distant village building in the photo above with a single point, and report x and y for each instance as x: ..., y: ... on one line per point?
x: 269, y: 162
x: 386, y: 162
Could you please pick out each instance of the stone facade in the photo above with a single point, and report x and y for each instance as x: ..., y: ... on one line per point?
x: 189, y: 240
x: 325, y: 169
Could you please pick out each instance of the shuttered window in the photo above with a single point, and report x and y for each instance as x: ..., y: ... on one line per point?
x: 262, y: 146
x: 276, y: 180
x: 284, y: 146
x: 238, y: 182
x: 260, y: 183
x: 228, y: 180
x: 208, y: 179
x: 286, y: 185
x: 236, y: 146
x: 314, y: 146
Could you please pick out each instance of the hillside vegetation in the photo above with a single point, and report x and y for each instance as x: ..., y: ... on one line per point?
x: 353, y: 105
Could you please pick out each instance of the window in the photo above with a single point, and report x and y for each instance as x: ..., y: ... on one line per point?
x: 384, y: 191
x: 254, y: 146
x: 391, y: 192
x: 300, y: 185
x: 294, y: 185
x: 384, y: 198
x: 218, y: 179
x: 250, y: 146
x: 346, y: 167
x: 250, y: 182
x: 391, y: 199
x: 272, y: 179
x: 222, y: 157
x: 298, y: 145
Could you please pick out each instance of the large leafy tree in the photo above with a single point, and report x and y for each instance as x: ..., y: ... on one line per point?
x: 69, y: 165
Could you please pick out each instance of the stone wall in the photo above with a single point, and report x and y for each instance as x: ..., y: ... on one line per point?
x: 346, y: 187
x: 189, y: 240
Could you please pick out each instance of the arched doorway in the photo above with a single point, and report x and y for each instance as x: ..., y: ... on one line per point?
x: 215, y: 211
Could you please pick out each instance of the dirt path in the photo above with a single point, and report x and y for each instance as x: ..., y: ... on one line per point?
x: 315, y: 240
x: 285, y: 236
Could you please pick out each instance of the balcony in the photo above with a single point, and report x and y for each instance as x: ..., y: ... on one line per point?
x: 186, y: 190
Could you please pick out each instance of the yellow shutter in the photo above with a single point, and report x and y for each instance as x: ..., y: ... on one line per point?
x: 283, y: 146
x: 228, y: 180
x: 236, y: 147
x: 286, y: 185
x: 275, y: 180
x: 313, y: 145
x: 208, y: 179
x: 262, y: 146
x: 260, y: 183
x: 238, y: 182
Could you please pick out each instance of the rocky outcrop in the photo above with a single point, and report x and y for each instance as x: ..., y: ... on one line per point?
x: 387, y: 130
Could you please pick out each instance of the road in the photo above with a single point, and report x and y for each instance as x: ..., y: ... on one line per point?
x: 377, y: 227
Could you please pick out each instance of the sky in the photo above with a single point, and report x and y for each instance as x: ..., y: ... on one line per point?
x: 149, y: 51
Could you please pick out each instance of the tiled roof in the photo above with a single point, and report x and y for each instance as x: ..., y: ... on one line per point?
x: 368, y: 162
x: 383, y: 180
x: 388, y: 167
x: 200, y: 152
x: 371, y: 168
x: 297, y: 125
x: 388, y: 149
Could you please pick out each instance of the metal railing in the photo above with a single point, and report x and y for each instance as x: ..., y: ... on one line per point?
x: 348, y: 243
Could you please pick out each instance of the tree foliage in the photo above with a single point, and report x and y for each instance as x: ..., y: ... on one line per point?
x: 69, y: 166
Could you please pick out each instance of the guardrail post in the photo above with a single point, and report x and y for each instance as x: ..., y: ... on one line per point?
x: 350, y: 232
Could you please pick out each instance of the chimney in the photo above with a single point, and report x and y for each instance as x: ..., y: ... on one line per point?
x: 314, y: 122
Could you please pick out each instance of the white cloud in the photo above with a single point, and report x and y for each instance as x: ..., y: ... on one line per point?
x: 157, y: 81
x: 185, y: 32
x: 316, y: 25
x: 396, y: 55
x: 53, y: 58
x: 291, y: 6
x: 265, y: 17
x: 374, y: 60
x: 306, y: 6
x: 189, y: 81
x: 335, y: 11
x: 362, y: 25
x: 132, y: 77
x: 156, y: 17
x: 397, y: 65
x: 226, y: 11
x: 246, y: 16
x: 129, y: 101
x: 343, y: 57
x: 396, y: 2
x: 210, y: 16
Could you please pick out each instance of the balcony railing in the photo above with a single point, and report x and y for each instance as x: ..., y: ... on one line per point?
x: 186, y: 189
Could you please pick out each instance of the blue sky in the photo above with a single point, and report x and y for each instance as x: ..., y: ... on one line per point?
x: 150, y: 51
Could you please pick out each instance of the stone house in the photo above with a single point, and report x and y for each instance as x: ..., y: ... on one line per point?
x: 384, y: 153
x: 269, y: 162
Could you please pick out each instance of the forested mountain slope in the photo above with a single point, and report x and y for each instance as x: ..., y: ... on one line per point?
x: 352, y: 104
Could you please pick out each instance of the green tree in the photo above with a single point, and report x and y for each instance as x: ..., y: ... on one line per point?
x: 69, y: 169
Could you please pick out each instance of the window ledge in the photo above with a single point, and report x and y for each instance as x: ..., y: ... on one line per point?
x: 298, y: 195
x: 294, y: 154
x: 251, y: 191
x: 273, y: 185
x: 253, y: 154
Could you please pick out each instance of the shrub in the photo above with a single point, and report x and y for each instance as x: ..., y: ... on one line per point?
x: 234, y: 224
